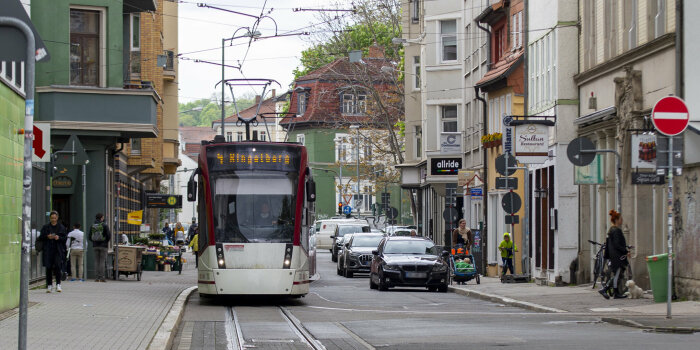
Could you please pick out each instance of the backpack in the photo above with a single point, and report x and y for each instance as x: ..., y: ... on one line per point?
x: 97, y: 232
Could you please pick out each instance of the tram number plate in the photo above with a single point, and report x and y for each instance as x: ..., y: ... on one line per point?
x: 416, y: 274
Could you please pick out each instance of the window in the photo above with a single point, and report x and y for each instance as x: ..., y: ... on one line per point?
x: 514, y: 30
x: 589, y: 34
x: 353, y: 104
x: 499, y: 44
x: 84, y: 47
x: 448, y: 32
x: 135, y: 146
x: 419, y: 142
x: 449, y: 118
x: 301, y: 139
x: 135, y: 32
x: 520, y: 29
x: 656, y: 18
x: 239, y: 136
x: 415, y: 11
x: 610, y: 30
x: 416, y: 72
x: 301, y: 103
x: 229, y: 136
x: 630, y: 17
x: 367, y: 151
x: 343, y: 148
x: 263, y: 136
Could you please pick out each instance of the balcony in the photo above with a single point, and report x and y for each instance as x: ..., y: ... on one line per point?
x: 169, y: 68
x: 101, y: 111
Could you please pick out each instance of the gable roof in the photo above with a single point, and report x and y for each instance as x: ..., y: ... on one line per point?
x: 267, y: 106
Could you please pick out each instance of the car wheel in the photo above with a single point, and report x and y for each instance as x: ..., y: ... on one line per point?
x: 432, y: 289
x: 372, y: 285
x: 338, y: 270
x: 334, y: 257
x: 442, y: 288
x: 382, y: 284
x: 478, y: 280
x: 348, y: 274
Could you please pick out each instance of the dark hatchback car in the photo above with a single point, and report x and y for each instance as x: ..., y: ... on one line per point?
x: 408, y: 262
x: 340, y: 231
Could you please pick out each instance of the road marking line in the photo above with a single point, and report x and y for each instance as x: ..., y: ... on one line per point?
x: 422, y: 312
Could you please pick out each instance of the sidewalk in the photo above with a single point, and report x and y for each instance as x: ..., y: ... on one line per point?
x: 641, y: 313
x: 124, y: 314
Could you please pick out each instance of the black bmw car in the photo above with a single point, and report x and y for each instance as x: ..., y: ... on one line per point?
x: 408, y: 262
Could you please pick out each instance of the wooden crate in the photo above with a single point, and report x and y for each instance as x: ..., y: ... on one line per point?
x: 129, y: 258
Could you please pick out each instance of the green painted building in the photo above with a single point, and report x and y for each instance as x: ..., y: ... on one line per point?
x: 11, y: 173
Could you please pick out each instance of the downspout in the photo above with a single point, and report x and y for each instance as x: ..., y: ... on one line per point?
x: 484, y: 230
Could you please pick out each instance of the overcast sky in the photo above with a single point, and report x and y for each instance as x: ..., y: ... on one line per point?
x: 275, y: 58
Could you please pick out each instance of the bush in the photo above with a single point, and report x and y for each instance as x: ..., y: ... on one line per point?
x: 156, y: 236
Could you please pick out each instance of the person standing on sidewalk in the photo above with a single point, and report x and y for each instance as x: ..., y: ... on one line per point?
x: 54, y: 237
x: 99, y: 236
x: 616, y: 252
x: 75, y: 244
x: 462, y: 235
x: 507, y: 248
x: 194, y: 244
x: 168, y: 232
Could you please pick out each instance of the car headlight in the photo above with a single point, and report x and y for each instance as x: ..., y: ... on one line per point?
x: 391, y: 267
x: 355, y: 255
x: 440, y: 268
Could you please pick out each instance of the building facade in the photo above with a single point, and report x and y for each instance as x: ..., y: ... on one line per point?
x: 627, y: 62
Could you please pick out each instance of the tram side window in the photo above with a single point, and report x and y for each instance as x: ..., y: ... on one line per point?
x: 203, y: 238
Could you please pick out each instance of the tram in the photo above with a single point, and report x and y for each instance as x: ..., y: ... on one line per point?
x: 256, y: 203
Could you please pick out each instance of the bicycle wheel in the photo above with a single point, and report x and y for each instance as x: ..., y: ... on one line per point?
x: 598, y: 269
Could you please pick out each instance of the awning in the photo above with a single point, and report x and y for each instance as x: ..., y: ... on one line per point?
x: 596, y: 116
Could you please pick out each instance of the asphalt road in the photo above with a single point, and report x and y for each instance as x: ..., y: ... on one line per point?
x: 341, y: 313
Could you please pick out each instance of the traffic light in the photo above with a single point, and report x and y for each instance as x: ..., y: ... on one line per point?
x: 340, y: 207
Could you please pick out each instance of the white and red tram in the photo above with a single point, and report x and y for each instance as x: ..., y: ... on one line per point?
x: 255, y: 207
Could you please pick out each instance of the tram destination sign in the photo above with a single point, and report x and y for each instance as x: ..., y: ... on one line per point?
x: 258, y: 157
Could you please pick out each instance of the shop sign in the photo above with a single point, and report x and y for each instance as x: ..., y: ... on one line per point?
x: 450, y: 143
x: 445, y: 166
x: 476, y: 193
x: 62, y: 182
x: 463, y: 177
x: 647, y: 179
x: 643, y: 151
x: 591, y: 174
x: 531, y: 143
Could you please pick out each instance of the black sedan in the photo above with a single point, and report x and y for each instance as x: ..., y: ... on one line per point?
x: 408, y: 262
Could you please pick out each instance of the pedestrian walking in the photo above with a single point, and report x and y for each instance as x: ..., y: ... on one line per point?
x: 100, y: 236
x: 462, y: 235
x: 53, y: 235
x: 194, y: 244
x: 191, y: 231
x: 75, y: 245
x: 616, y: 252
x: 507, y: 248
x: 168, y: 232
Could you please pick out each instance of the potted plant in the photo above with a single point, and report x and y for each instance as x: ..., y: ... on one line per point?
x: 497, y: 139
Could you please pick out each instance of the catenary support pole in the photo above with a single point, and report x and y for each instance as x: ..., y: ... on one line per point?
x: 223, y: 105
x: 27, y: 176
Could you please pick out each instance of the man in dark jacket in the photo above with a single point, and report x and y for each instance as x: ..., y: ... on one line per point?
x: 100, y: 236
x: 54, y: 236
x: 191, y: 231
x: 168, y: 232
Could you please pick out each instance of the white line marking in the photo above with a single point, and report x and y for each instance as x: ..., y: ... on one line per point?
x: 670, y: 115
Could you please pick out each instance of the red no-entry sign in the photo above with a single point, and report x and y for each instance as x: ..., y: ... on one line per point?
x: 670, y: 116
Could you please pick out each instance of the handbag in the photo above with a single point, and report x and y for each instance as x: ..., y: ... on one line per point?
x: 39, y: 245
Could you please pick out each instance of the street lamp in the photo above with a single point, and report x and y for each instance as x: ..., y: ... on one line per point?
x: 357, y: 166
x: 253, y: 35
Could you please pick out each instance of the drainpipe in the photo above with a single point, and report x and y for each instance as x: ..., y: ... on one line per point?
x: 484, y: 231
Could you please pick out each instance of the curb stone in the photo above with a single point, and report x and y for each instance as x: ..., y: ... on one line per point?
x: 163, y: 338
x: 633, y: 324
x: 505, y: 300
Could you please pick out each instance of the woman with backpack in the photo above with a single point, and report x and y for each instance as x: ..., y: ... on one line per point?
x: 99, y: 236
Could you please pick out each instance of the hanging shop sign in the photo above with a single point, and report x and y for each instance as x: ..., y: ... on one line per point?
x: 62, y: 182
x: 647, y: 179
x: 591, y: 174
x: 643, y: 151
x: 450, y: 143
x: 445, y: 166
x: 531, y: 143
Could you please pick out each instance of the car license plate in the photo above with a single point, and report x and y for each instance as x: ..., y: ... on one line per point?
x: 415, y: 275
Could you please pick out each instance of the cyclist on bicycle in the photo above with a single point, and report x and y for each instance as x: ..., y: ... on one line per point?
x: 616, y: 252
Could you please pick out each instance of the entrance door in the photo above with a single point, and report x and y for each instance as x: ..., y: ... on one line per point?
x: 61, y: 204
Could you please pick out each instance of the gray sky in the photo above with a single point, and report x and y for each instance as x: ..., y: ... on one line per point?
x: 275, y: 58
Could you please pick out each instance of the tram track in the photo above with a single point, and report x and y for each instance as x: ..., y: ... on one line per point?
x: 237, y: 339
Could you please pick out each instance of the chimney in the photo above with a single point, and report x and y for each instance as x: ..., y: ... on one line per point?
x: 376, y: 51
x: 257, y: 99
x: 274, y: 93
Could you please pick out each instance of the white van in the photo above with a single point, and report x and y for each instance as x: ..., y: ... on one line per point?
x: 324, y: 229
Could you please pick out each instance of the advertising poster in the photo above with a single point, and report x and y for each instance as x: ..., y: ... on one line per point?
x: 643, y: 151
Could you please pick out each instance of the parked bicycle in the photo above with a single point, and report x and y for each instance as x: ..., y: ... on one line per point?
x: 599, y: 268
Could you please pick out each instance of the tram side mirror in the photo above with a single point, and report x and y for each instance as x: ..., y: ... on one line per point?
x: 311, y: 191
x: 191, y: 190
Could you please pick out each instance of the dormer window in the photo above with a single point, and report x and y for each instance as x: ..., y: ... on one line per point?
x: 301, y: 103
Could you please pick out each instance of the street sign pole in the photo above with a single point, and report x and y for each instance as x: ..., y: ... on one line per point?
x: 670, y: 226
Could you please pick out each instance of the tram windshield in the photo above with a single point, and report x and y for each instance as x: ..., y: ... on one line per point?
x: 254, y: 206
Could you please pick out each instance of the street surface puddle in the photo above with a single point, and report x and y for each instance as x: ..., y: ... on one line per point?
x: 605, y: 309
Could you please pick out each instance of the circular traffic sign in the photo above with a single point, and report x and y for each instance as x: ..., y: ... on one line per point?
x: 450, y: 215
x: 511, y: 203
x: 573, y: 151
x: 501, y: 165
x: 670, y: 116
x: 347, y: 209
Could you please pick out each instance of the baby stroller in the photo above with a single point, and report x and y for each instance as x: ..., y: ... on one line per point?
x: 463, y: 266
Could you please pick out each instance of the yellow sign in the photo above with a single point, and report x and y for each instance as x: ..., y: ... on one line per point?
x: 172, y: 200
x: 135, y: 217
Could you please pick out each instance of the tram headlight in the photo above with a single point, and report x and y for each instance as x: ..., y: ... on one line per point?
x: 287, y: 262
x: 220, y: 256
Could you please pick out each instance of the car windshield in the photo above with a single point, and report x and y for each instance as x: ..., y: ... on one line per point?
x: 366, y: 241
x: 254, y: 206
x: 402, y: 233
x: 342, y: 230
x: 410, y: 247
